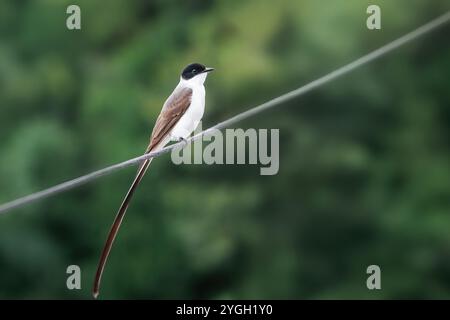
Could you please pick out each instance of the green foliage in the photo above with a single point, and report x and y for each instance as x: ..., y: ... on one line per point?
x: 364, y: 167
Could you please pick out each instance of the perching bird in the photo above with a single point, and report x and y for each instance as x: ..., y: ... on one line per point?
x: 180, y: 115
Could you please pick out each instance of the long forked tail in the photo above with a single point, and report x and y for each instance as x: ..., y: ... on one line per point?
x: 116, y: 225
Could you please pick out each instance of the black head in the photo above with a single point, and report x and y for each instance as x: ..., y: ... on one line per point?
x: 194, y: 69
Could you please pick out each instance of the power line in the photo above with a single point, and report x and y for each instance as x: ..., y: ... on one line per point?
x: 439, y: 21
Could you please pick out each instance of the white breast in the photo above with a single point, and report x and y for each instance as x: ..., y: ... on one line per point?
x: 190, y: 120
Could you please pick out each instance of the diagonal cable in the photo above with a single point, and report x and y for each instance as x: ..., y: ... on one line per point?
x: 424, y: 29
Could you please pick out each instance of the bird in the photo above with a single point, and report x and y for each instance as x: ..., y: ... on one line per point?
x: 179, y: 117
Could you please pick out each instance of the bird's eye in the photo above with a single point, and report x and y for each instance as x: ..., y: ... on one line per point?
x: 194, y: 71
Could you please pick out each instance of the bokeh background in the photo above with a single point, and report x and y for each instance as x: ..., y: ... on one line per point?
x: 364, y: 161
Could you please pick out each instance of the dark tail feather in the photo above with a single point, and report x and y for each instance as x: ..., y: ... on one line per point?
x: 116, y: 225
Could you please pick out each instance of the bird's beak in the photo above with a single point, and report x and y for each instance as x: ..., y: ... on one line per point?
x: 208, y: 69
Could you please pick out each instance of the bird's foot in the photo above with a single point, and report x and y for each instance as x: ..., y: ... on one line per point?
x: 181, y: 139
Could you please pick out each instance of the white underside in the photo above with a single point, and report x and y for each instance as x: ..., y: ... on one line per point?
x: 190, y: 120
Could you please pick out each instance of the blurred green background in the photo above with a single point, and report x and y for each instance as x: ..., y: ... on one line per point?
x: 364, y: 161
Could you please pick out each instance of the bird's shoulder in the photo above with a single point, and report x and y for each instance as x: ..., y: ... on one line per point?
x: 180, y: 98
x: 173, y: 109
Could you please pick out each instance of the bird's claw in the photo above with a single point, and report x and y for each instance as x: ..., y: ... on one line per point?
x: 181, y: 139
